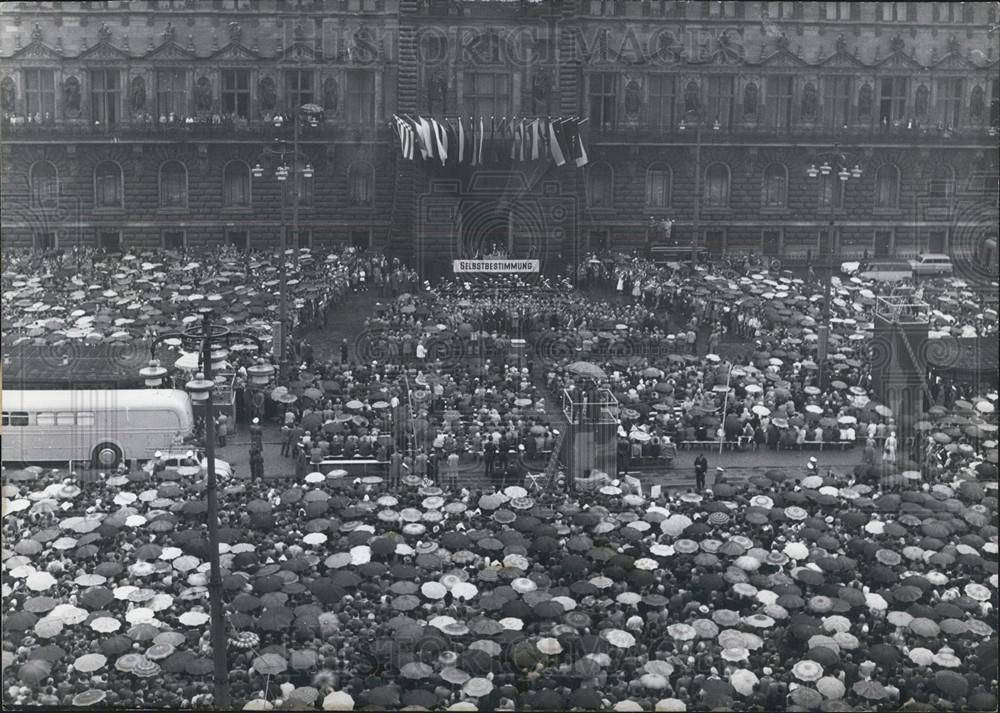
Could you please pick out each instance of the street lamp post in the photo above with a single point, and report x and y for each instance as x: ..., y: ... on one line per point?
x: 212, y: 341
x: 699, y: 119
x: 281, y: 152
x: 840, y: 168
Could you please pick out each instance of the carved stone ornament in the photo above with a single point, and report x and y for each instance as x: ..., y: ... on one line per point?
x: 841, y: 42
x: 299, y: 32
x: 953, y: 46
x: 104, y: 33
x: 782, y: 41
x: 896, y: 44
x: 36, y: 33
x: 169, y: 33
x: 235, y: 32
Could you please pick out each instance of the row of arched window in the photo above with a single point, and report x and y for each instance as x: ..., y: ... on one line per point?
x: 109, y: 187
x: 716, y: 188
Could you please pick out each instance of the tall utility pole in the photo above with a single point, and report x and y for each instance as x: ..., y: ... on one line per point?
x: 697, y: 196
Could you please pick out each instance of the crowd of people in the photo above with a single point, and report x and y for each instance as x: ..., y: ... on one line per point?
x: 868, y: 589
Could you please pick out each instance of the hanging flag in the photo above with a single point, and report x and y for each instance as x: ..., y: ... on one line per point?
x: 479, y: 143
x: 424, y: 138
x: 461, y: 140
x: 522, y: 139
x: 554, y: 147
x: 451, y: 140
x: 513, y: 138
x: 582, y: 159
x: 572, y: 135
x: 440, y: 141
x: 535, y: 137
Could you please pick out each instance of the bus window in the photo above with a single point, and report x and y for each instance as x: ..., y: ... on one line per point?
x: 15, y: 418
x: 45, y: 418
x: 65, y: 418
x: 85, y: 419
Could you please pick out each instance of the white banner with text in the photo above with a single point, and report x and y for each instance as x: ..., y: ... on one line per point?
x: 496, y: 266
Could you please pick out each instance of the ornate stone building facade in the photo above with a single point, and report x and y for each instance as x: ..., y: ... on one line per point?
x: 139, y: 123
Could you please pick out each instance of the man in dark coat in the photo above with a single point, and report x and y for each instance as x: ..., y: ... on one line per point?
x: 700, y: 468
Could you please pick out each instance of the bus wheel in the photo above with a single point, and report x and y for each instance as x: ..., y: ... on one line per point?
x: 107, y: 456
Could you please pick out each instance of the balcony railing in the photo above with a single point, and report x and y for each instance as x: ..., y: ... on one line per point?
x: 183, y: 131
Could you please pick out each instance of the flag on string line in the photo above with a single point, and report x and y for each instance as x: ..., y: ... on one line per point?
x: 517, y: 138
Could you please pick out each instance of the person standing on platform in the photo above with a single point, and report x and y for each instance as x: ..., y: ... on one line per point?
x: 489, y: 456
x: 453, y: 469
x: 395, y: 468
x: 700, y: 468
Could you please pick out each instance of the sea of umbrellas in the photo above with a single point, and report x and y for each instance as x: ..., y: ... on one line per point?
x: 819, y: 594
x: 96, y: 298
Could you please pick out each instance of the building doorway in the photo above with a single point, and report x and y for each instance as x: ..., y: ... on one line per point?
x: 883, y: 243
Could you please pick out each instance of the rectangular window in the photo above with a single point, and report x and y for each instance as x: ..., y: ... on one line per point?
x: 771, y: 243
x: 603, y: 95
x: 174, y: 240
x: 171, y: 93
x: 892, y: 100
x: 302, y: 239
x: 911, y: 12
x: 15, y: 418
x: 110, y: 241
x: 995, y: 103
x: 487, y: 94
x: 720, y: 99
x: 303, y: 188
x: 299, y: 87
x: 236, y: 92
x: 44, y: 240
x: 662, y: 90
x: 105, y: 93
x: 658, y: 188
x: 361, y: 239
x: 40, y: 93
x: 65, y: 418
x: 45, y: 418
x: 238, y: 239
x: 85, y: 419
x: 837, y: 101
x: 950, y: 92
x: 840, y: 11
x: 831, y: 192
x: 779, y: 100
x: 360, y: 96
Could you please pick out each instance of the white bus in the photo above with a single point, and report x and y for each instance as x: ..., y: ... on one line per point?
x: 104, y: 427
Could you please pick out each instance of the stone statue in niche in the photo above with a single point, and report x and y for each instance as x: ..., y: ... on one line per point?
x: 896, y: 44
x: 330, y: 95
x: 691, y: 99
x: 138, y: 94
x: 8, y: 94
x: 203, y: 94
x: 169, y: 33
x: 633, y: 98
x: 922, y: 101
x: 865, y: 101
x: 841, y: 43
x: 71, y: 97
x: 268, y: 95
x: 750, y: 101
x: 810, y: 102
x: 235, y: 32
